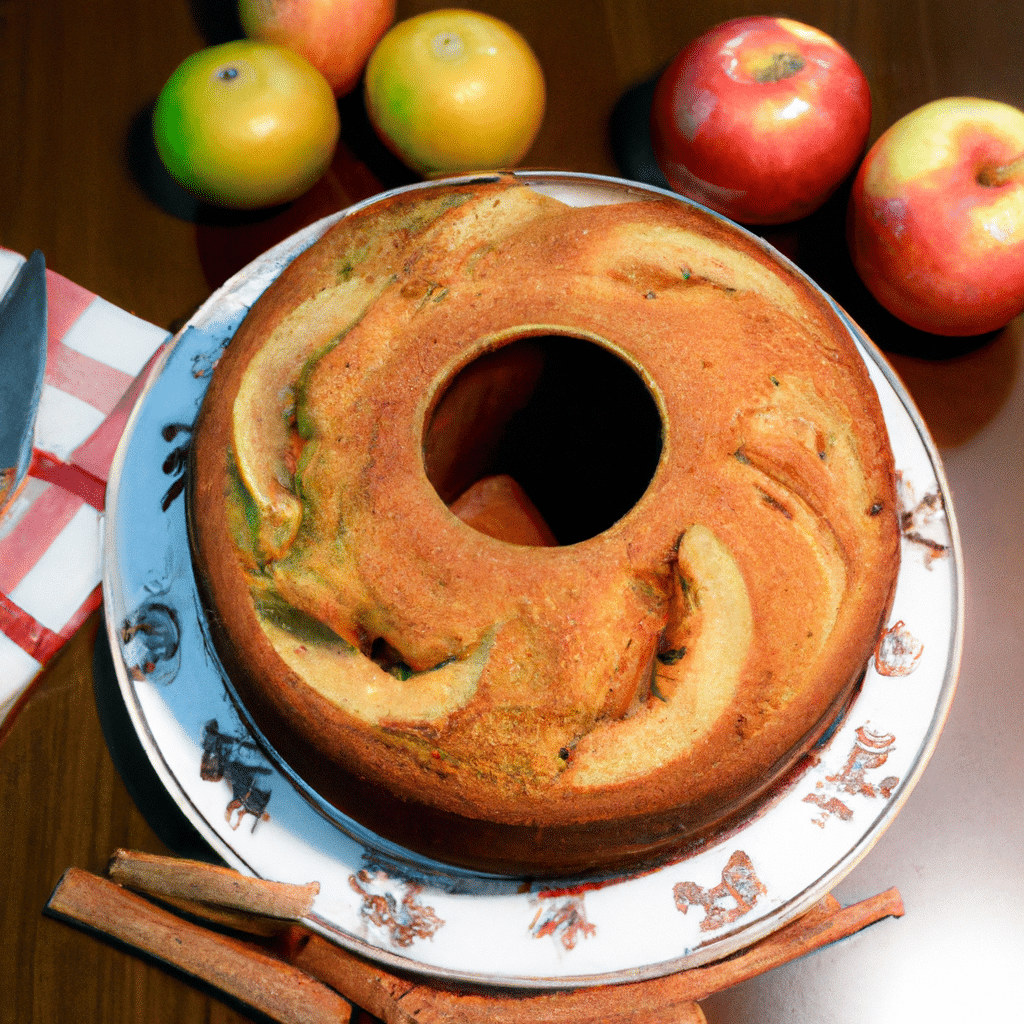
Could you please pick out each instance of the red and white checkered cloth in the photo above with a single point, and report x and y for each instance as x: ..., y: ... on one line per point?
x: 50, y: 546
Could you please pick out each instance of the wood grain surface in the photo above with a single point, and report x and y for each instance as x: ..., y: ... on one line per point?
x: 78, y: 180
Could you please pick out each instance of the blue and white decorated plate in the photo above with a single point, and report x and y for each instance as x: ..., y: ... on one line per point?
x: 407, y: 912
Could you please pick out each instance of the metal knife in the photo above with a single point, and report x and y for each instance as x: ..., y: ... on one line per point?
x: 22, y: 364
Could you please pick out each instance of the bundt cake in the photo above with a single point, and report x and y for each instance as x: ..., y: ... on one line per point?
x: 540, y: 538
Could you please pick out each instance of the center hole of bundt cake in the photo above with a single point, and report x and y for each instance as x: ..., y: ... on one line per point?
x: 547, y: 440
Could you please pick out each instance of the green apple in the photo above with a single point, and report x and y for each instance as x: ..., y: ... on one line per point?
x: 455, y: 90
x: 246, y: 124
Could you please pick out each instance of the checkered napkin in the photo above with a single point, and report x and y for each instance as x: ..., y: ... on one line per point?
x: 50, y: 534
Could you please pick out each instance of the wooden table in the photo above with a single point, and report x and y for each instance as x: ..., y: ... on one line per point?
x: 78, y: 180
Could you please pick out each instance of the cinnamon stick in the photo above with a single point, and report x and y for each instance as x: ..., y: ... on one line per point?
x: 277, y: 989
x: 401, y: 999
x: 398, y: 1000
x: 254, y: 925
x: 194, y: 882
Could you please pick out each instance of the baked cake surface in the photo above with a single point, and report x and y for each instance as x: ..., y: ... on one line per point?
x: 497, y: 699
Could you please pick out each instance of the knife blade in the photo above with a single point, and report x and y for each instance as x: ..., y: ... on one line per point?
x: 22, y: 365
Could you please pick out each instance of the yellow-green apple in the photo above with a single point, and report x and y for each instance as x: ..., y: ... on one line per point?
x: 335, y: 36
x: 936, y: 217
x: 246, y: 124
x: 455, y: 90
x: 760, y: 118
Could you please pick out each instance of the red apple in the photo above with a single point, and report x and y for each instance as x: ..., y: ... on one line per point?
x: 335, y: 36
x: 760, y: 119
x: 936, y: 217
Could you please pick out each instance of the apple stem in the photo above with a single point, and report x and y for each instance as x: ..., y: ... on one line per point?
x: 447, y: 45
x: 993, y: 177
x: 783, y: 65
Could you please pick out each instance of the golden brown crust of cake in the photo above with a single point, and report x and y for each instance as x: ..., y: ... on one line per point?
x: 562, y: 708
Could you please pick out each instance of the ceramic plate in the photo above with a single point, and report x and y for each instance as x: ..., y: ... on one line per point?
x: 422, y: 916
